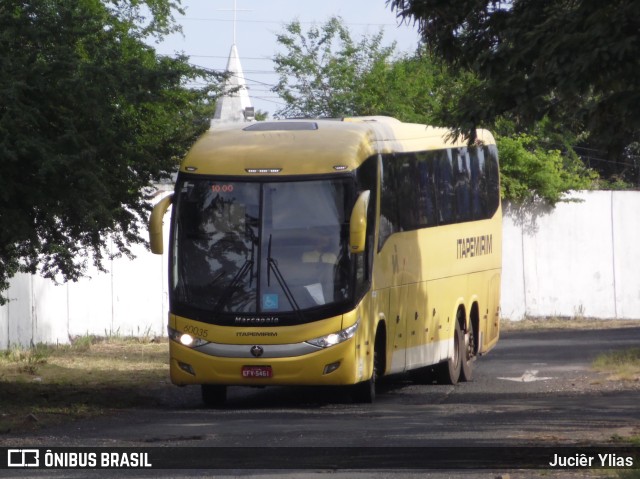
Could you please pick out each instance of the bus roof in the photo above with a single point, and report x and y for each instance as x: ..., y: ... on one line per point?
x: 311, y: 146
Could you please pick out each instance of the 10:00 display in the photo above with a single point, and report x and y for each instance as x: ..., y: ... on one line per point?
x: 222, y: 188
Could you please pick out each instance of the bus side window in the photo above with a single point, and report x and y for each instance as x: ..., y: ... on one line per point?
x: 462, y: 183
x: 444, y: 181
x: 440, y: 187
x: 408, y: 195
x: 426, y: 187
x: 478, y: 199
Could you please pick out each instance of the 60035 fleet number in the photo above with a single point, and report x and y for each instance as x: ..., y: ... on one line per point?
x: 196, y: 331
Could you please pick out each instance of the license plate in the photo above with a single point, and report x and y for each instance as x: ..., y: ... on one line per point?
x: 257, y: 372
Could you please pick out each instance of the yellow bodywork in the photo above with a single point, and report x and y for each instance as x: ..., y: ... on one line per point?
x: 418, y: 284
x: 232, y: 149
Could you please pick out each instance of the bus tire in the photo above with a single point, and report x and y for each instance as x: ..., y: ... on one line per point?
x: 214, y: 395
x: 466, y: 369
x: 449, y: 370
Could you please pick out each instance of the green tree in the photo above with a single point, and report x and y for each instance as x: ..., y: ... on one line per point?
x: 321, y: 70
x: 412, y: 87
x: 422, y: 89
x: 325, y: 72
x: 575, y: 63
x: 90, y: 116
x: 540, y: 164
x: 530, y: 172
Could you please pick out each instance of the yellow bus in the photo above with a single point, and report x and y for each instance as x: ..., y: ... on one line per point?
x: 331, y: 252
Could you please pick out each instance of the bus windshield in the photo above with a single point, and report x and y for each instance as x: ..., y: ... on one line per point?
x: 252, y: 248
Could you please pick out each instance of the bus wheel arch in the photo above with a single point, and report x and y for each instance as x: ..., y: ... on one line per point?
x: 365, y: 391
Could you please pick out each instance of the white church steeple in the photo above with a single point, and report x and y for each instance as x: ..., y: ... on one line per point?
x: 234, y: 105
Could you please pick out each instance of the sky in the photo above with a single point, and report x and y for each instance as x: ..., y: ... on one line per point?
x: 208, y: 33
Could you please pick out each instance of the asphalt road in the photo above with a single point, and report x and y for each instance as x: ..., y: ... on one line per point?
x: 534, y: 388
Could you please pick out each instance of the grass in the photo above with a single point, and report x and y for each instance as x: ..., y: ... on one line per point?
x: 45, y: 385
x: 621, y: 365
x: 577, y: 322
x: 26, y: 360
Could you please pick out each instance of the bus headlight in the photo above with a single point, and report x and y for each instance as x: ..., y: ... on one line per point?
x: 186, y: 339
x: 335, y: 338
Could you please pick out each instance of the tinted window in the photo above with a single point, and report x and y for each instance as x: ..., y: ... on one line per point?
x: 276, y: 249
x: 425, y: 189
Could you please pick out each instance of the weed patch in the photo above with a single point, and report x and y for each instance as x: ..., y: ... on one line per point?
x: 45, y: 385
x: 622, y: 365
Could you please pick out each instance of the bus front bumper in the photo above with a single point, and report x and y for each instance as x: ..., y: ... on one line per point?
x: 335, y: 365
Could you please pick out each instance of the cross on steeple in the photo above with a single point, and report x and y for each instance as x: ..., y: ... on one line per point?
x: 235, y: 16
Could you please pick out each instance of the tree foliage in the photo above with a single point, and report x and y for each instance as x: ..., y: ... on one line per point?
x: 574, y: 62
x: 540, y: 164
x: 322, y: 69
x: 531, y: 172
x: 419, y: 88
x: 89, y: 117
x: 325, y: 72
x: 413, y: 88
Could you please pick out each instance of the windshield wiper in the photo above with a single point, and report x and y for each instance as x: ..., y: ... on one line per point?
x: 273, y: 264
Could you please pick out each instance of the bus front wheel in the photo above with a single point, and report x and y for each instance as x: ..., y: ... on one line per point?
x: 214, y: 395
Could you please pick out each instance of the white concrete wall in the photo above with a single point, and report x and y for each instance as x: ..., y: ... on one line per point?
x: 579, y: 259
x: 130, y: 299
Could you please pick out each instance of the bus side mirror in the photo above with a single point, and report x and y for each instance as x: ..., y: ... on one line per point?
x: 155, y: 224
x: 358, y: 223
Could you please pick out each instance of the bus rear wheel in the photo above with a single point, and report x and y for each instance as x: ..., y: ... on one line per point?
x: 449, y: 371
x: 214, y: 395
x: 466, y: 370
